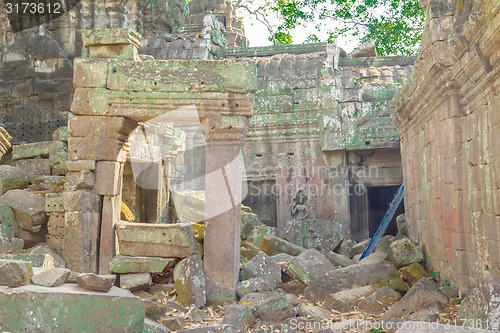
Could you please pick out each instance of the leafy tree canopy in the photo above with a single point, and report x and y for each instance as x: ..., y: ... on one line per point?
x: 394, y: 25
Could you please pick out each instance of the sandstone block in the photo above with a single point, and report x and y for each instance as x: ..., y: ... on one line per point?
x: 313, y: 234
x: 403, y: 252
x: 258, y: 234
x: 269, y: 307
x: 313, y: 312
x: 32, y: 150
x: 413, y: 273
x: 75, y: 166
x: 8, y: 224
x: 82, y: 180
x: 80, y: 201
x: 15, y: 273
x: 482, y: 304
x: 81, y: 228
x: 54, y: 277
x: 239, y: 316
x: 89, y: 73
x: 108, y: 178
x: 261, y: 266
x: 31, y: 238
x: 156, y: 240
x: 56, y: 243
x: 124, y: 264
x: 339, y: 260
x: 99, y: 149
x: 54, y: 203
x: 135, y: 282
x: 91, y: 281
x: 308, y: 266
x: 272, y: 245
x: 379, y: 301
x: 189, y: 281
x: 75, y: 309
x: 56, y: 224
x: 57, y: 260
x: 61, y: 134
x: 35, y: 167
x: 343, y: 301
x: 12, y: 178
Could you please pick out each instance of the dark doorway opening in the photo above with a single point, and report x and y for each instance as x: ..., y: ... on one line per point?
x: 262, y: 200
x: 368, y: 206
x: 379, y: 199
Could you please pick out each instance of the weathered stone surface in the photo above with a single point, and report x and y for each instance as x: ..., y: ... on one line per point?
x: 424, y: 292
x: 338, y: 260
x: 125, y: 264
x: 379, y: 301
x: 196, y: 314
x: 28, y: 208
x: 403, y: 252
x: 312, y: 234
x: 248, y: 222
x: 402, y: 225
x: 261, y: 266
x: 269, y: 307
x: 282, y: 257
x: 134, y: 282
x: 313, y: 312
x: 12, y: 247
x: 189, y: 281
x: 91, y: 281
x: 449, y: 291
x: 483, y: 303
x: 36, y: 259
x: 172, y: 323
x: 258, y: 234
x: 308, y: 266
x: 359, y: 247
x: 32, y: 150
x: 377, y: 273
x: 15, y: 273
x: 54, y: 203
x: 35, y: 167
x: 239, y: 316
x: 12, y: 178
x: 155, y: 309
x: 31, y: 238
x: 151, y: 326
x: 272, y: 245
x: 429, y: 312
x: 8, y: 224
x: 54, y: 277
x: 257, y: 284
x: 343, y: 301
x: 414, y: 272
x: 294, y: 287
x: 156, y: 240
x: 76, y: 310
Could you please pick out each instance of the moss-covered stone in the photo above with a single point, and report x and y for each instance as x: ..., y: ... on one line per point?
x: 414, y: 272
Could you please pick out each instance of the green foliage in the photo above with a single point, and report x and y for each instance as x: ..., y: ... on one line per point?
x: 376, y: 330
x: 394, y: 25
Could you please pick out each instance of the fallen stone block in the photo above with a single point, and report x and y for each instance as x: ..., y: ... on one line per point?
x: 196, y: 314
x: 269, y: 307
x: 258, y: 284
x: 8, y: 224
x: 134, y: 282
x: 430, y: 313
x: 189, y: 282
x: 91, y: 281
x: 379, y: 274
x: 261, y: 266
x: 74, y: 310
x: 345, y: 248
x: 308, y: 265
x: 54, y: 203
x: 379, y: 301
x: 123, y: 264
x: 44, y: 250
x: 54, y: 277
x: 404, y: 252
x: 402, y: 225
x: 35, y: 167
x: 258, y: 234
x: 38, y: 234
x: 450, y: 291
x: 28, y: 208
x: 32, y: 150
x: 272, y: 245
x: 14, y: 246
x: 248, y: 222
x: 313, y: 234
x: 359, y: 247
x: 12, y: 178
x: 313, y: 312
x: 156, y: 240
x: 482, y: 303
x: 343, y: 301
x: 339, y: 260
x: 238, y: 316
x: 294, y: 287
x: 15, y: 273
x: 172, y: 323
x: 151, y: 326
x: 156, y: 309
x: 424, y: 292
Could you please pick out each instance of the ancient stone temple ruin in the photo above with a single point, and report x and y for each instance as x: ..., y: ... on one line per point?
x: 155, y: 166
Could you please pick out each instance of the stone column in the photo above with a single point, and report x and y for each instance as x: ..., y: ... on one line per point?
x: 223, y: 186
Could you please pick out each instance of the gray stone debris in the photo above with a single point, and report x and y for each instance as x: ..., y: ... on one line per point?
x: 403, y: 253
x: 15, y: 273
x: 134, y: 282
x: 309, y: 265
x: 483, y: 302
x: 54, y: 277
x: 189, y: 282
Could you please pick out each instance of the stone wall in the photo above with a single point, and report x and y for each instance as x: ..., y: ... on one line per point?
x: 319, y: 117
x: 448, y: 117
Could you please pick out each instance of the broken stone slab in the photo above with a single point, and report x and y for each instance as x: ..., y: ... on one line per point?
x: 239, y: 316
x: 344, y: 300
x: 413, y: 273
x: 313, y: 234
x: 379, y: 301
x: 189, y: 282
x: 12, y: 247
x: 273, y: 245
x: 91, y: 281
x: 35, y: 167
x: 15, y: 273
x: 37, y: 235
x: 258, y: 234
x: 46, y: 251
x: 12, y: 178
x: 28, y: 208
x: 338, y: 260
x: 32, y: 150
x: 173, y: 323
x: 404, y: 252
x: 257, y: 284
x: 430, y: 312
x: 308, y: 265
x: 135, y: 282
x: 379, y: 274
x: 75, y: 310
x: 482, y: 303
x: 294, y: 287
x: 151, y: 326
x: 54, y: 277
x: 196, y: 314
x: 156, y: 240
x: 124, y: 264
x: 384, y: 243
x: 424, y: 292
x: 261, y: 266
x: 359, y: 247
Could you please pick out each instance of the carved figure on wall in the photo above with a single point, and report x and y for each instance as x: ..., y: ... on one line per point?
x: 299, y: 208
